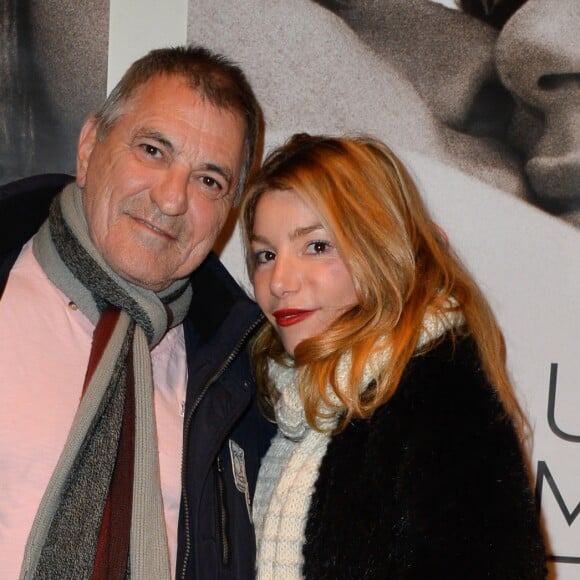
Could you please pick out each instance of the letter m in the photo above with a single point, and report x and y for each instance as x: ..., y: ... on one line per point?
x: 545, y: 474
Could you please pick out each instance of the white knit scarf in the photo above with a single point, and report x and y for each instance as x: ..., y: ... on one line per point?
x: 290, y: 468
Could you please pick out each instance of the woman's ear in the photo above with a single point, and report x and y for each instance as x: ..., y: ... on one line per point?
x: 86, y: 144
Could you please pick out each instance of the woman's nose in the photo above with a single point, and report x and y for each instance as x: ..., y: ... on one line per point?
x: 285, y: 276
x: 170, y: 194
x: 538, y: 53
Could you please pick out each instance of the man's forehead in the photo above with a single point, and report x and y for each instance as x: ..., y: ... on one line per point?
x: 162, y: 87
x: 196, y: 131
x: 171, y: 97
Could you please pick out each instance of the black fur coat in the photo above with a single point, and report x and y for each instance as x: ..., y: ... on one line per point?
x: 433, y: 486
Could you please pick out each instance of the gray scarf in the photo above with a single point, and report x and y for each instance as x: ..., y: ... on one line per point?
x: 129, y: 321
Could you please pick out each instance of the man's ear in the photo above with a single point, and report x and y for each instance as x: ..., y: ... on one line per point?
x: 87, y: 142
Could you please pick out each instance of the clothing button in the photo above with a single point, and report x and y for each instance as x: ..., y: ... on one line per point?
x: 72, y: 305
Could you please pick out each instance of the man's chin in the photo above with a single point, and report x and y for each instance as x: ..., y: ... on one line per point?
x: 573, y: 218
x: 555, y: 181
x: 144, y: 274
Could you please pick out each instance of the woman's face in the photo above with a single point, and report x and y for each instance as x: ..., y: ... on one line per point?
x: 300, y: 280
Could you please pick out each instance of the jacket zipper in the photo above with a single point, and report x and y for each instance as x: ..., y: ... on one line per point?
x: 223, y: 514
x: 184, y: 495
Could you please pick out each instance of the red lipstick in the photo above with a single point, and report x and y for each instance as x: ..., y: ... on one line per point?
x: 290, y: 316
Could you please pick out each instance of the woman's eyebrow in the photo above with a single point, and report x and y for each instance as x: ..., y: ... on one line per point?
x: 304, y: 231
x: 297, y: 233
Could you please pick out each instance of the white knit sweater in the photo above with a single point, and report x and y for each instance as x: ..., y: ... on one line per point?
x: 290, y: 468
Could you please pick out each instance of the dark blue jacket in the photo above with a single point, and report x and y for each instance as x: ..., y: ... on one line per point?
x: 215, y: 537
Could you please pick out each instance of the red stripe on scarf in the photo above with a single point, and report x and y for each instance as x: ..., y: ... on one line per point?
x: 114, y: 537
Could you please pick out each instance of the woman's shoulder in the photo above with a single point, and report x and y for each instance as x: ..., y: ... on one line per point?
x: 440, y: 460
x: 444, y: 404
x: 443, y: 390
x: 451, y: 358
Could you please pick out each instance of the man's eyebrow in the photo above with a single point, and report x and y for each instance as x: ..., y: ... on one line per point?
x: 155, y: 136
x: 163, y: 140
x: 223, y: 171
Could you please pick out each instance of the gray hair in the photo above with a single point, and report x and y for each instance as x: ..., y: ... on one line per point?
x: 217, y: 79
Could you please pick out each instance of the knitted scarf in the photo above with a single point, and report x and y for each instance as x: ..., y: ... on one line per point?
x: 290, y: 468
x: 102, y: 513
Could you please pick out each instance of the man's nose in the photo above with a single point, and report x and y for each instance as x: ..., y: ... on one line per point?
x: 170, y: 193
x: 538, y: 53
x: 285, y: 276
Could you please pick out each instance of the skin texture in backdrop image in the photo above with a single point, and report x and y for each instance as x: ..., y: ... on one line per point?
x: 53, y: 72
x: 498, y: 102
x: 517, y: 83
x: 313, y: 71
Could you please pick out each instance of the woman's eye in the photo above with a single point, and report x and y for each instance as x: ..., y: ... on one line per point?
x: 318, y: 247
x: 264, y: 256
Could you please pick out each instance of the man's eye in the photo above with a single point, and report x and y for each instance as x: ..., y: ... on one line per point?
x: 211, y: 182
x: 213, y: 188
x: 151, y: 150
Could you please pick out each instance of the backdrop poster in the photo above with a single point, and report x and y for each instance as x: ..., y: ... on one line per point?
x: 53, y: 72
x: 498, y: 164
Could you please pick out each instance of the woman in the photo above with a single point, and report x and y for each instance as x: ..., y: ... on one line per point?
x: 397, y: 454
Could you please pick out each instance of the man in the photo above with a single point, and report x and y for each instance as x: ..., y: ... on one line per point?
x: 129, y: 435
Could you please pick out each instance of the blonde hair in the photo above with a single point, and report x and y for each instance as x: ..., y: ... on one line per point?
x: 400, y: 262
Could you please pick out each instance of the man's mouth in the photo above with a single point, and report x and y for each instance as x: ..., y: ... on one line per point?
x: 161, y: 231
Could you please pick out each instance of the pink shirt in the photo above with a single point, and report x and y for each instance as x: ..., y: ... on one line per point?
x: 44, y: 349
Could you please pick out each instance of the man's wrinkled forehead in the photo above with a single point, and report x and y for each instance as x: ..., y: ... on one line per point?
x: 149, y: 90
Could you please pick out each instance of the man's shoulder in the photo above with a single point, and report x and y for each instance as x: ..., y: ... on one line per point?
x: 219, y: 300
x: 24, y: 206
x: 212, y: 283
x: 35, y: 185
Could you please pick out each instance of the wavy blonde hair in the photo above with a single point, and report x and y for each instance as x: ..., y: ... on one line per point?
x: 400, y: 262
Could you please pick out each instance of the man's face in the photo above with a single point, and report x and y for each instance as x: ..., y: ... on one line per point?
x: 159, y: 186
x: 524, y: 140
